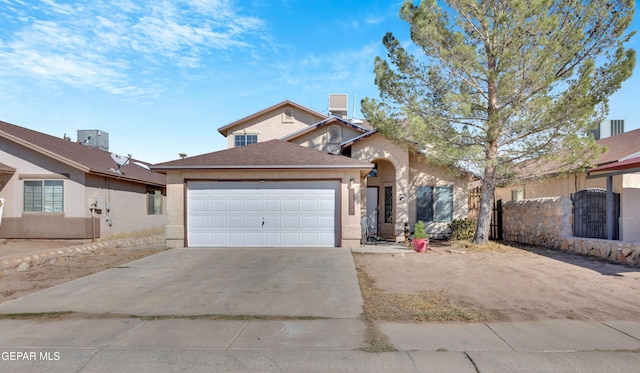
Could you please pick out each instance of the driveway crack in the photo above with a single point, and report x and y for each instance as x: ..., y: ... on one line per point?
x: 237, y: 335
x: 101, y: 348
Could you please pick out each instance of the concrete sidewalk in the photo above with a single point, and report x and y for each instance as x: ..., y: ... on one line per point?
x: 275, y: 310
x: 133, y: 344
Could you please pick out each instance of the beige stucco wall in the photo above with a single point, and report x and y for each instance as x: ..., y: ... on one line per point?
x: 270, y: 125
x: 406, y: 172
x: 176, y: 230
x: 128, y: 201
x: 423, y: 174
x: 127, y: 204
x: 375, y: 148
x: 557, y: 186
x: 630, y: 208
x: 319, y: 138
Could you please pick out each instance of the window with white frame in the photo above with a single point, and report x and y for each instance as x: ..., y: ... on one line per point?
x: 154, y: 201
x: 244, y: 140
x: 43, y: 196
x: 434, y: 204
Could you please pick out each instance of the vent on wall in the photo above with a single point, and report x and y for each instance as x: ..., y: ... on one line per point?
x: 609, y: 128
x: 338, y: 104
x: 617, y: 126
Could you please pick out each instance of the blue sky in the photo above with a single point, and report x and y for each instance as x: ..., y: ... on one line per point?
x: 161, y: 76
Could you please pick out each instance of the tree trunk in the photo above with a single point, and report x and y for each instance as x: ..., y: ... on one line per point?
x: 484, y: 215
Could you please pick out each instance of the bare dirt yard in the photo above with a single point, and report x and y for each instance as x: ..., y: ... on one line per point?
x: 495, y: 282
x: 459, y: 282
x: 66, y: 268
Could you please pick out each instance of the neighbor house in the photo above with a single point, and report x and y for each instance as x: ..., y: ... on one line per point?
x: 54, y: 188
x: 294, y: 177
x: 620, y: 162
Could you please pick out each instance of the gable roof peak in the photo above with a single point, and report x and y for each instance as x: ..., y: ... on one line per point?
x: 224, y: 130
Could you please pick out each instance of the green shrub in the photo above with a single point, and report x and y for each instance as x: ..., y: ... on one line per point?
x: 419, y: 232
x: 462, y: 229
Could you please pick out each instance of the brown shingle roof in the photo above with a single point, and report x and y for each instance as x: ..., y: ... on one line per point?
x: 619, y: 146
x: 82, y: 157
x: 273, y: 154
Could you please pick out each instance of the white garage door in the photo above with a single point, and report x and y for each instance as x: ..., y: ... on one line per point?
x: 262, y: 214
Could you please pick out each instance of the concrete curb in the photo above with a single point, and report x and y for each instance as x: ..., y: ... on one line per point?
x: 11, y: 262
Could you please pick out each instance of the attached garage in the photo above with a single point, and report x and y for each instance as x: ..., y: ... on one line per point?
x: 263, y: 214
x: 269, y: 194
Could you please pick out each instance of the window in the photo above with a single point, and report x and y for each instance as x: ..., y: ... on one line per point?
x: 243, y: 140
x: 154, y: 202
x: 388, y: 204
x: 434, y: 204
x: 335, y: 135
x: 43, y: 196
x: 517, y: 194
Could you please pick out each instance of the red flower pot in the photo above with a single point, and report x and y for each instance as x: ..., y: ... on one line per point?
x: 420, y: 245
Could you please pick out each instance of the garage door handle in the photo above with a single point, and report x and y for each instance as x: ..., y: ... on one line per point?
x: 263, y: 222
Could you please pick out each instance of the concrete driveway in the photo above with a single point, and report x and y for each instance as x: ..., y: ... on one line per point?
x: 199, y: 281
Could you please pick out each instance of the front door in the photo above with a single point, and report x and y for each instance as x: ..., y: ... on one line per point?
x: 372, y: 209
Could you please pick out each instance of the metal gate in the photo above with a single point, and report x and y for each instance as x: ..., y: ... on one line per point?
x: 590, y: 214
x: 495, y: 233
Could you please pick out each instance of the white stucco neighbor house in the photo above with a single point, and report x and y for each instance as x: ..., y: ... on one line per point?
x: 294, y: 177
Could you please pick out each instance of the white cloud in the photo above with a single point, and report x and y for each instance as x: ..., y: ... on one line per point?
x: 57, y: 8
x: 104, y: 43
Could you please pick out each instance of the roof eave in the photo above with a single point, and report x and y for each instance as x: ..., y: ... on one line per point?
x: 262, y: 167
x: 225, y: 129
x: 603, y: 173
x: 44, y: 151
x: 127, y: 178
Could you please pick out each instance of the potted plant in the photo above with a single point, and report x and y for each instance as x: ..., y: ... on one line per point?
x: 420, y: 238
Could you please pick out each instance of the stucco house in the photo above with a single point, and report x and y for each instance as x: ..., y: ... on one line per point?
x: 54, y: 188
x: 619, y: 167
x: 294, y: 177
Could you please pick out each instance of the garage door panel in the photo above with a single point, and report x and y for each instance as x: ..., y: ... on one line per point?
x: 236, y: 205
x: 325, y: 223
x: 272, y: 223
x: 290, y: 222
x: 253, y: 222
x: 200, y: 222
x: 270, y: 214
x: 217, y: 221
x: 272, y: 206
x: 255, y: 239
x: 233, y: 222
x: 291, y: 206
x: 309, y: 206
x: 234, y: 239
x: 308, y: 222
x: 326, y: 206
x: 199, y: 239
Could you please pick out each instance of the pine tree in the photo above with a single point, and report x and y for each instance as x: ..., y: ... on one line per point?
x: 497, y: 85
